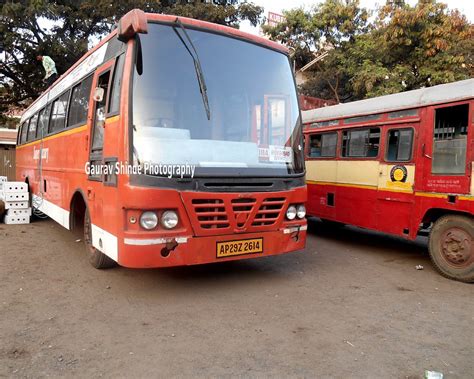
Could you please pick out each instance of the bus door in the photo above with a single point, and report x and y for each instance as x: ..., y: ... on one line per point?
x: 395, y: 200
x: 446, y: 151
x: 98, y: 143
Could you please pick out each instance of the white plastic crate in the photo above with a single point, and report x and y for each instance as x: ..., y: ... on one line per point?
x: 16, y: 204
x: 3, y: 179
x: 14, y: 187
x: 15, y: 196
x: 16, y: 220
x: 19, y: 212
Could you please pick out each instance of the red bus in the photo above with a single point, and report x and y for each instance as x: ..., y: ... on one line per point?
x: 399, y: 164
x: 171, y: 143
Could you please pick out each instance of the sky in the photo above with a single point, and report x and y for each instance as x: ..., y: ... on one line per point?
x: 277, y: 6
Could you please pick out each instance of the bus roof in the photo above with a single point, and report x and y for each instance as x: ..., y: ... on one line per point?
x: 442, y: 93
x: 94, y: 57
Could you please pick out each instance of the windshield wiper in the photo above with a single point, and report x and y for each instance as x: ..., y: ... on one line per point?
x: 197, y: 66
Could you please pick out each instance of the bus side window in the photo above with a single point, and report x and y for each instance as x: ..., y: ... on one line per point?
x: 43, y: 119
x: 315, y: 145
x: 32, y: 129
x: 363, y: 143
x: 59, y: 111
x: 114, y: 103
x: 80, y: 103
x: 450, y: 140
x: 399, y: 145
x: 24, y: 131
x: 323, y: 145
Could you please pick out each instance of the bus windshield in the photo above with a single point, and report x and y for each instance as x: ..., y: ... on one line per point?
x: 254, y: 128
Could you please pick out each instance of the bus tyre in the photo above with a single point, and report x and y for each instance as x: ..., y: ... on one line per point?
x: 451, y: 247
x: 96, y: 258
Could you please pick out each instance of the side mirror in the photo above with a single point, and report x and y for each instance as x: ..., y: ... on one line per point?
x: 132, y: 23
x: 98, y: 94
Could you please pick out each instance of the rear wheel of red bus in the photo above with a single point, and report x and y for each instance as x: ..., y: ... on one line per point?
x: 451, y: 247
x: 96, y: 258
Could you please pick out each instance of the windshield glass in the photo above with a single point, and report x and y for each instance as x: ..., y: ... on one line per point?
x: 254, y: 127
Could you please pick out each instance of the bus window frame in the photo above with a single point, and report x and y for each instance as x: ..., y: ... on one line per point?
x: 470, y: 125
x: 79, y: 82
x: 386, y: 143
x: 26, y: 124
x: 356, y: 128
x: 112, y: 80
x: 93, y: 155
x: 67, y: 111
x: 36, y: 114
x: 308, y: 145
x: 39, y: 117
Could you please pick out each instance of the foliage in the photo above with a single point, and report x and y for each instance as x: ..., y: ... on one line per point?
x: 405, y: 47
x: 327, y: 28
x: 63, y: 29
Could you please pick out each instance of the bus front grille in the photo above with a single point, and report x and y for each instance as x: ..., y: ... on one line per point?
x: 242, y: 209
x: 269, y: 212
x: 236, y: 214
x: 211, y: 213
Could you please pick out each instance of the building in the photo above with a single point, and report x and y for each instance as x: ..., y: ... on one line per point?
x: 7, y: 152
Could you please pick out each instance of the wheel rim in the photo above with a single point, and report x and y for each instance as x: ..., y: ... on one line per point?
x: 456, y: 247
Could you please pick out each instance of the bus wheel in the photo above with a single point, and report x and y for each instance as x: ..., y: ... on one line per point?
x: 96, y: 258
x: 451, y: 247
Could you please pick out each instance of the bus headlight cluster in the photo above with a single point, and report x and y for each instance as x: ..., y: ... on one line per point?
x: 294, y: 211
x: 301, y: 211
x: 169, y: 219
x: 148, y: 220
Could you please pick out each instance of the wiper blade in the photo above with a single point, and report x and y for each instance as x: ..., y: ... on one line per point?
x: 197, y: 66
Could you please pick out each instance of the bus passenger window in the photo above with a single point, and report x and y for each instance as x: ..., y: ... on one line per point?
x: 362, y: 143
x: 32, y: 129
x: 323, y: 145
x: 315, y: 146
x: 80, y: 103
x: 42, y: 129
x: 24, y: 131
x: 399, y: 145
x: 58, y: 116
x: 450, y: 140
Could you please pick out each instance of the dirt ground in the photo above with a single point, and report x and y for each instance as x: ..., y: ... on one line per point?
x: 350, y: 305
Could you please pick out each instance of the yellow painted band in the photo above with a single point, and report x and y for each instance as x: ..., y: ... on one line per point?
x: 430, y: 194
x: 467, y: 198
x: 112, y: 119
x: 422, y: 194
x: 66, y: 132
x: 341, y: 184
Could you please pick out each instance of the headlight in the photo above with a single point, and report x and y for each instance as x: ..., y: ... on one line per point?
x: 291, y: 212
x: 148, y: 220
x: 169, y: 219
x: 301, y: 211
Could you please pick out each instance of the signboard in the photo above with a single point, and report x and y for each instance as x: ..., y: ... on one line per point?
x: 274, y: 19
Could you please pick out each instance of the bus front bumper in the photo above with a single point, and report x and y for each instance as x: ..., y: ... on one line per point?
x: 182, y: 251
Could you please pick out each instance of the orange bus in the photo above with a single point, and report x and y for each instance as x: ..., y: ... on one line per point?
x: 399, y: 164
x: 171, y: 143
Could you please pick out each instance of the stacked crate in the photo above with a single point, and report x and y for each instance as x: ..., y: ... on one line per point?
x: 16, y: 199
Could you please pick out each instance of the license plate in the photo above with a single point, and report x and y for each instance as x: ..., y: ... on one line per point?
x: 241, y: 247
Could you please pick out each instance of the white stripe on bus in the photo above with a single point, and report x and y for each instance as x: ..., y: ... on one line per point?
x: 102, y: 240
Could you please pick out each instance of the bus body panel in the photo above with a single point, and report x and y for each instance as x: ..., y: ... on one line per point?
x: 115, y: 206
x: 364, y: 193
